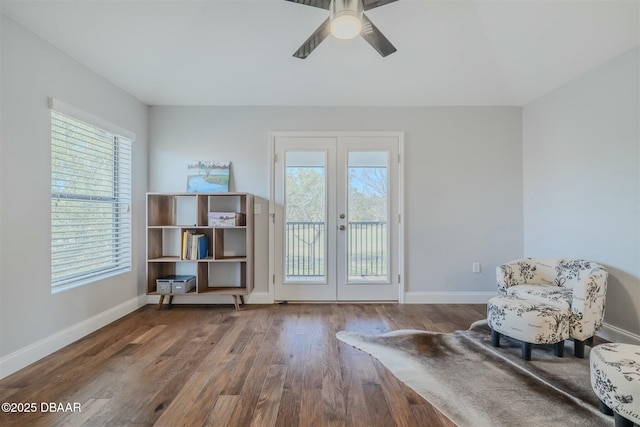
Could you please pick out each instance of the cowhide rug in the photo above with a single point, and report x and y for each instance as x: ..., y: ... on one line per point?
x: 475, y: 384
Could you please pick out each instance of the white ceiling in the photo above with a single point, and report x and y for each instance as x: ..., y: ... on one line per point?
x: 239, y: 52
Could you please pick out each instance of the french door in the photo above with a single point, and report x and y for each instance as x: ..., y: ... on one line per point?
x: 336, y: 217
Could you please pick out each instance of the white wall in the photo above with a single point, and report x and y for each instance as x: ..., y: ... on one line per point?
x: 32, y: 320
x: 463, y: 180
x: 581, y: 146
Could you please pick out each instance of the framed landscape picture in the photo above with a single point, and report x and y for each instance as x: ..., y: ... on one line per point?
x: 209, y: 176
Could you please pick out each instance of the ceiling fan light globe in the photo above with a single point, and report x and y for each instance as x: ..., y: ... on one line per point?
x: 346, y: 25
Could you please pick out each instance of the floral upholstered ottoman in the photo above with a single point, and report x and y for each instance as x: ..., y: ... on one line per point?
x: 528, y: 321
x: 615, y: 378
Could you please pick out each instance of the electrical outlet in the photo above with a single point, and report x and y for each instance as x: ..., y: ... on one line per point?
x: 476, y: 267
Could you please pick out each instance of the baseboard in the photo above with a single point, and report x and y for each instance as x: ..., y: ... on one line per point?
x: 25, y: 356
x: 615, y: 334
x: 259, y: 298
x: 252, y: 298
x: 448, y: 297
x: 409, y: 298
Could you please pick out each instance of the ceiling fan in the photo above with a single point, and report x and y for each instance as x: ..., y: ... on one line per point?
x: 346, y: 20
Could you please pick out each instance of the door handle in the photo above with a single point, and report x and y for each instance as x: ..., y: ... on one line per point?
x: 342, y: 228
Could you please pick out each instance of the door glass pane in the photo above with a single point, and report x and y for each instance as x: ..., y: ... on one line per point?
x: 305, y: 216
x: 368, y: 207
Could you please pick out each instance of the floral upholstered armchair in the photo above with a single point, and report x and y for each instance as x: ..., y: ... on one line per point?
x: 575, y: 285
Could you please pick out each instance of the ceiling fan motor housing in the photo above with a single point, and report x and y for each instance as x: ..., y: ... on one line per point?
x: 346, y: 18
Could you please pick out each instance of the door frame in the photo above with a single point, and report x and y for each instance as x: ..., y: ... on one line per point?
x: 273, y: 135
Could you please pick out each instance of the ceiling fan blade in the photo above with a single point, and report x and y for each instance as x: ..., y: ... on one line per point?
x: 314, y: 40
x: 322, y: 4
x: 375, y: 38
x: 372, y: 4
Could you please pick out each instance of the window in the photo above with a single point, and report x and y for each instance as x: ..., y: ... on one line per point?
x: 90, y: 202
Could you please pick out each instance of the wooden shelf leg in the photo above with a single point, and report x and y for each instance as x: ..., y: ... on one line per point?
x: 161, y: 301
x: 242, y: 299
x: 235, y: 302
x: 170, y: 300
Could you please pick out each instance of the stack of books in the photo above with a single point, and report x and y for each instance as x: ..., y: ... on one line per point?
x: 194, y: 245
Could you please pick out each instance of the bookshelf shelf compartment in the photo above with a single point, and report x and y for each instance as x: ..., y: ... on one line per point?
x: 228, y: 267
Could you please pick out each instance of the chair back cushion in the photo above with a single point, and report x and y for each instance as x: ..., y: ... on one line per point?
x: 570, y: 271
x: 546, y: 271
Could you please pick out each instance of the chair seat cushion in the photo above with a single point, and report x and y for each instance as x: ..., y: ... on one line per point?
x: 556, y: 296
x: 528, y: 321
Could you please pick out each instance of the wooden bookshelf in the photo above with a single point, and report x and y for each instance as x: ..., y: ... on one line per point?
x: 228, y: 267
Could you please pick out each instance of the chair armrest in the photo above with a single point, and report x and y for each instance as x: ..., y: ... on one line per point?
x: 589, y: 296
x: 513, y: 273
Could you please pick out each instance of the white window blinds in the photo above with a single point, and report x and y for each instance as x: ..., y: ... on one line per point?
x: 90, y: 202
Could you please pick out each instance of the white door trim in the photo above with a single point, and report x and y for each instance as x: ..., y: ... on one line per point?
x: 330, y: 134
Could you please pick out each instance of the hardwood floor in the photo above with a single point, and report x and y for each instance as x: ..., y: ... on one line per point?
x: 265, y: 365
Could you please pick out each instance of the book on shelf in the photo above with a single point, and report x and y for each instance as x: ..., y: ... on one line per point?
x: 203, y: 247
x: 194, y: 245
x: 185, y: 243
